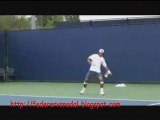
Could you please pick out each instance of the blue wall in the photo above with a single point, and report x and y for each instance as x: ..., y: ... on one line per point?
x: 1, y: 49
x: 132, y: 52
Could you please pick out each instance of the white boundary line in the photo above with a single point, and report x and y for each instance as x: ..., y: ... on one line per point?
x: 79, y: 97
x: 154, y: 104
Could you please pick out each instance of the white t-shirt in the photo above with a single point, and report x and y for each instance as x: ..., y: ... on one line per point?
x: 97, y: 61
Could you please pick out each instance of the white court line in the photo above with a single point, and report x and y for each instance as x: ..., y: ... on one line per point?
x: 154, y: 104
x: 78, y: 97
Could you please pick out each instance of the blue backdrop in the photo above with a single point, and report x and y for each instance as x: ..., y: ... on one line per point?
x: 132, y: 52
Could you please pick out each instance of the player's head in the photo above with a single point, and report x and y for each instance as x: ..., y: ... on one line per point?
x: 101, y: 52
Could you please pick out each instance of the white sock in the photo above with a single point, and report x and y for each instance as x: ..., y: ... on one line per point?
x: 101, y: 89
x: 83, y: 89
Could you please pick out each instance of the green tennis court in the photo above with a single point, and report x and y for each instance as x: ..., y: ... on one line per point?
x: 133, y: 94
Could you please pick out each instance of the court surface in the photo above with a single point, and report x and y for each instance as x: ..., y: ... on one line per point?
x: 132, y: 95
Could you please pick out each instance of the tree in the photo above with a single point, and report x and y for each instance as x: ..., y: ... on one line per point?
x: 14, y: 22
x: 48, y: 21
x: 72, y: 18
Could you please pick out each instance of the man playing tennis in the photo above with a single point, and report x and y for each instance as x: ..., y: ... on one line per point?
x: 96, y: 60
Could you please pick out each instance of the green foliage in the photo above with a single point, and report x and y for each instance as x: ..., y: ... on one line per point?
x: 48, y: 21
x: 13, y: 22
x: 17, y: 22
x: 72, y: 18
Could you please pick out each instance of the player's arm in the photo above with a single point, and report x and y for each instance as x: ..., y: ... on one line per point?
x: 89, y: 60
x: 106, y: 68
x: 104, y: 65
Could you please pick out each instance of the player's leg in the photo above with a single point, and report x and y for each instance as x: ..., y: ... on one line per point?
x: 100, y: 78
x: 85, y: 83
x: 84, y: 88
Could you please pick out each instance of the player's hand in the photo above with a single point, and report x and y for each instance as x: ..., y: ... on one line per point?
x: 108, y: 73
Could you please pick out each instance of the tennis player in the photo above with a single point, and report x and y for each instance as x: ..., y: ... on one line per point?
x: 95, y: 61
